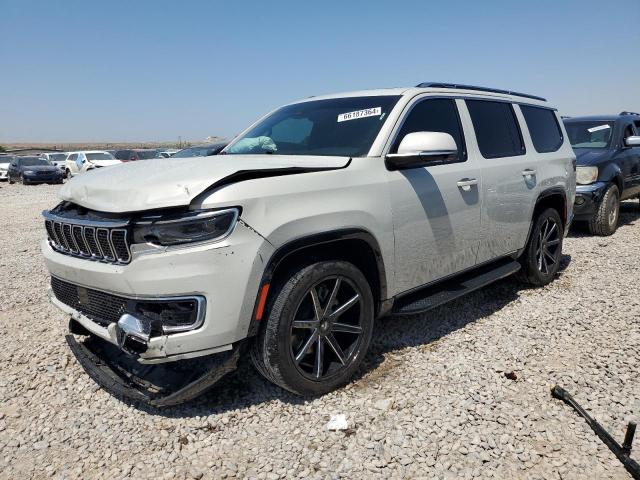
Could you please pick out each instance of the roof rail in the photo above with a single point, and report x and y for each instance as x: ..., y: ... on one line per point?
x: 629, y: 113
x: 480, y: 89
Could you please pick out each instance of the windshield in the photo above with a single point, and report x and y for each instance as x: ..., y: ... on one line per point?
x: 100, y: 156
x: 32, y: 161
x: 344, y: 127
x: 203, y: 151
x: 57, y: 157
x: 147, y: 154
x: 591, y: 134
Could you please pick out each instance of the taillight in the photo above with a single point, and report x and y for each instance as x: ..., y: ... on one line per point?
x: 135, y: 157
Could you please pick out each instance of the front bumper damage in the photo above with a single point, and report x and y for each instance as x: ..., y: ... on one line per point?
x: 161, y: 385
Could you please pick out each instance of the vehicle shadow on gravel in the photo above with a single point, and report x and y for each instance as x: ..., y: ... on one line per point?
x: 245, y: 388
x: 629, y: 213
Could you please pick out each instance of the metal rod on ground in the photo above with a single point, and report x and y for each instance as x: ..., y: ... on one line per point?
x: 622, y: 452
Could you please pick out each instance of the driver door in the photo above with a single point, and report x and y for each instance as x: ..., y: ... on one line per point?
x: 436, y: 209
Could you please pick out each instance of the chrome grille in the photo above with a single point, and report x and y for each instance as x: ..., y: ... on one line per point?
x: 106, y: 244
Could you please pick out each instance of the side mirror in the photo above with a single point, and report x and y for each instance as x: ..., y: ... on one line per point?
x: 423, y: 149
x: 633, y: 141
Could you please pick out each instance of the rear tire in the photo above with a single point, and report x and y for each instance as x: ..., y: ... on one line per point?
x: 11, y: 182
x: 318, y: 329
x: 605, y: 220
x: 540, y: 260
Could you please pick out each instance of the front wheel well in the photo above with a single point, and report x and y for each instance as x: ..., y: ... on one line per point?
x: 356, y: 250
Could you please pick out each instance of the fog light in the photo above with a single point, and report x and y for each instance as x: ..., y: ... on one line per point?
x: 175, y: 315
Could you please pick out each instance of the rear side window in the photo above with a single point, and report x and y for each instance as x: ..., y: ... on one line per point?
x: 543, y: 127
x: 434, y: 115
x: 496, y: 129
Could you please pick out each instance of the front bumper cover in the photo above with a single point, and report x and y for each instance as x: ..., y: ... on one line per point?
x: 159, y: 386
x: 587, y: 199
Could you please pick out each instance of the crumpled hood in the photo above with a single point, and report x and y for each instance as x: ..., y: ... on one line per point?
x: 588, y: 156
x: 174, y: 182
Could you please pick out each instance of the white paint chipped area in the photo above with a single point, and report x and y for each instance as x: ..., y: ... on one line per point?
x: 432, y: 402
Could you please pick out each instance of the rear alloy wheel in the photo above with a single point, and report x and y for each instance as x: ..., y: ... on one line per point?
x: 318, y: 329
x: 605, y: 220
x: 541, y: 259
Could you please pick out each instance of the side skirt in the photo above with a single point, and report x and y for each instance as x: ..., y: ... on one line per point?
x: 432, y: 296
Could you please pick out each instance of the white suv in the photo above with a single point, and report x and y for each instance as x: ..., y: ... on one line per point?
x: 320, y: 217
x: 80, y: 162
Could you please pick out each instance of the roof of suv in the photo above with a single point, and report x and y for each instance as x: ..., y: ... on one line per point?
x: 604, y: 118
x: 436, y: 88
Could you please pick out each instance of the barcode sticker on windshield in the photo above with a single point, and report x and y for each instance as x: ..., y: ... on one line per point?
x: 367, y: 112
x: 597, y: 129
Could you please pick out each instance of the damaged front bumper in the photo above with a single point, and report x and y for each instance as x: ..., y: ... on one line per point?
x: 161, y: 385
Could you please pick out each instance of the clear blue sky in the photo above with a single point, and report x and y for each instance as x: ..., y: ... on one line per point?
x: 153, y: 70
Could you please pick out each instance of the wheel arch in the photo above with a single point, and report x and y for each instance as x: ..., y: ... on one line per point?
x: 554, y: 197
x: 612, y: 174
x: 356, y: 245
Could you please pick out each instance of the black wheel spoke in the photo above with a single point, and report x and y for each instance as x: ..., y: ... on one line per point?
x: 307, y: 345
x: 344, y: 307
x: 553, y: 242
x: 316, y: 304
x: 346, y: 328
x: 305, y: 323
x: 332, y: 297
x: 550, y: 232
x: 335, y: 346
x: 319, y: 364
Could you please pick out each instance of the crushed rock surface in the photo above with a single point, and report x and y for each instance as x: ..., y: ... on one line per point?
x: 432, y: 400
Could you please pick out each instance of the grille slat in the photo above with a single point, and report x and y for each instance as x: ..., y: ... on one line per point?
x: 79, y: 238
x: 105, y: 244
x: 103, y: 308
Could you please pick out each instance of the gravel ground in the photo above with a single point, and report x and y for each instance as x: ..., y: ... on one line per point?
x: 432, y: 401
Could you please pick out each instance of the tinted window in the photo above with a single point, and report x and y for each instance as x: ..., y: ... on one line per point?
x: 434, y: 115
x: 496, y: 129
x: 336, y: 126
x: 32, y: 161
x: 147, y: 154
x: 543, y: 127
x: 73, y: 157
x: 122, y: 154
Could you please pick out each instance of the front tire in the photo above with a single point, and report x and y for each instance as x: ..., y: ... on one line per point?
x: 605, y: 221
x: 541, y: 259
x: 318, y: 329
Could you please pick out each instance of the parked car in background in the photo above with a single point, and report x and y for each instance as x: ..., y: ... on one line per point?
x: 168, y: 152
x: 29, y: 170
x: 5, y: 160
x: 200, y: 150
x: 80, y: 162
x: 319, y: 218
x: 56, y: 158
x: 132, y: 155
x: 608, y: 166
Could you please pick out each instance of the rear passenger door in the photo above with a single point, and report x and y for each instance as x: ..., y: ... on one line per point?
x: 436, y: 218
x: 630, y: 162
x: 510, y: 177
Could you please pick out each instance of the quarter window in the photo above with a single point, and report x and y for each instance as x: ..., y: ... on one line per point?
x: 434, y: 115
x: 496, y: 128
x: 543, y: 127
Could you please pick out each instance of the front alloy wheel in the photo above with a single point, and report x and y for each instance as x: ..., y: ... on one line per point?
x: 326, y: 328
x: 318, y: 329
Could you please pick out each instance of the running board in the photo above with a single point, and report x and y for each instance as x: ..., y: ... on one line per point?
x: 432, y: 296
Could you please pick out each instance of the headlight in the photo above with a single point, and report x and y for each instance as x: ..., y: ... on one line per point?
x: 199, y: 226
x: 586, y: 175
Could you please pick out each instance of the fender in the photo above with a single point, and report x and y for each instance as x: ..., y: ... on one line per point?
x: 544, y: 194
x: 612, y: 173
x: 314, y: 240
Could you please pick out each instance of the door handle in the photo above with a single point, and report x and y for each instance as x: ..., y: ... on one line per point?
x: 528, y: 173
x: 466, y: 183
